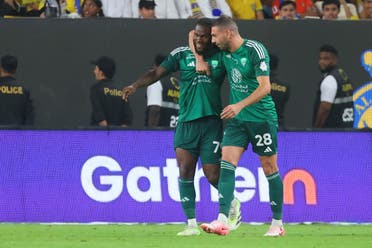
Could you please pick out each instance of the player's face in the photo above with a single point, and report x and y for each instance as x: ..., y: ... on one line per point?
x: 202, y: 38
x: 220, y: 38
x: 330, y: 12
x: 288, y: 12
x: 326, y: 61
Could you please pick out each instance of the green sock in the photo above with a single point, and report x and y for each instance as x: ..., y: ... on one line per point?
x: 187, y: 196
x: 226, y: 186
x: 276, y: 194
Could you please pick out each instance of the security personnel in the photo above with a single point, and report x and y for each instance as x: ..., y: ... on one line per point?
x: 106, y: 97
x: 334, y: 102
x: 279, y: 90
x: 162, y: 100
x: 15, y: 104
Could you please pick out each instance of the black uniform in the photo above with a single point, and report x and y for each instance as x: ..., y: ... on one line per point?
x: 169, y: 104
x: 15, y: 104
x: 107, y: 104
x: 341, y: 115
x: 280, y: 94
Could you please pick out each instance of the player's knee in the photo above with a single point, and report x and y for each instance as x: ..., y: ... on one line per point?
x: 212, y: 178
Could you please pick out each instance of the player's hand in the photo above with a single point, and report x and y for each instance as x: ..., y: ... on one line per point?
x: 127, y: 91
x: 202, y: 67
x: 230, y: 111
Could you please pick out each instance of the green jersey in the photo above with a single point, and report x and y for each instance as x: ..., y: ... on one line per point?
x: 244, y: 66
x: 200, y: 95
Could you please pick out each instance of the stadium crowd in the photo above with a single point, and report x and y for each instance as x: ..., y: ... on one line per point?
x: 183, y: 9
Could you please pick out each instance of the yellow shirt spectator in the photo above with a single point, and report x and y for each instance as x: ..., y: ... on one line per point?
x: 246, y: 9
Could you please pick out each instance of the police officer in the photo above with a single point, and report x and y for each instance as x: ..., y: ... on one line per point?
x: 279, y: 90
x: 106, y: 96
x: 334, y: 103
x: 15, y: 104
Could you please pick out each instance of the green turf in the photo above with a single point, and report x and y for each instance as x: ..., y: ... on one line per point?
x: 247, y: 236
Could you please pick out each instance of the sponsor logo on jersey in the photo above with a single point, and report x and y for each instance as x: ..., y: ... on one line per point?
x: 268, y: 149
x: 236, y: 76
x: 191, y: 64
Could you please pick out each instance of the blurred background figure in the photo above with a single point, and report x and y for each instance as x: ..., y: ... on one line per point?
x: 162, y: 100
x: 91, y: 9
x: 146, y: 9
x: 108, y: 108
x: 16, y: 107
x: 366, y: 12
x: 287, y: 11
x: 303, y: 8
x: 279, y: 89
x: 246, y: 9
x: 333, y: 107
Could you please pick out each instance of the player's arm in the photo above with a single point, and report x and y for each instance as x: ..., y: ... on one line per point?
x: 328, y: 90
x: 262, y: 90
x: 145, y: 80
x: 323, y: 113
x: 201, y: 66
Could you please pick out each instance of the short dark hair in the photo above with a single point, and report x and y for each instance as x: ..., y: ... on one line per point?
x: 106, y: 65
x: 205, y: 22
x: 329, y: 2
x: 287, y: 2
x: 9, y: 63
x: 147, y: 4
x: 226, y: 22
x: 159, y: 58
x: 329, y: 49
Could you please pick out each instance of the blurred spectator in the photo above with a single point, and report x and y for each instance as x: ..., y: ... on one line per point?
x: 92, y: 8
x: 267, y: 8
x: 207, y: 8
x: 331, y: 10
x: 303, y: 8
x: 11, y: 8
x: 287, y: 11
x: 118, y: 8
x: 279, y: 90
x: 162, y: 100
x: 366, y: 12
x: 246, y: 9
x: 333, y: 107
x: 146, y: 9
x: 106, y: 96
x: 15, y: 104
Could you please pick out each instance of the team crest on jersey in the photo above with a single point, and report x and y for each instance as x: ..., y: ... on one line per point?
x: 263, y: 66
x: 214, y: 64
x: 243, y: 61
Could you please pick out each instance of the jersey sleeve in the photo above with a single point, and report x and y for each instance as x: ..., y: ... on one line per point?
x: 171, y: 63
x: 260, y: 58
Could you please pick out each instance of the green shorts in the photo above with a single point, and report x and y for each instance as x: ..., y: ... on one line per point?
x: 262, y: 136
x: 201, y: 137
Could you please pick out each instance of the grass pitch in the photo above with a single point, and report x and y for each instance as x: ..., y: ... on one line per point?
x: 154, y: 236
